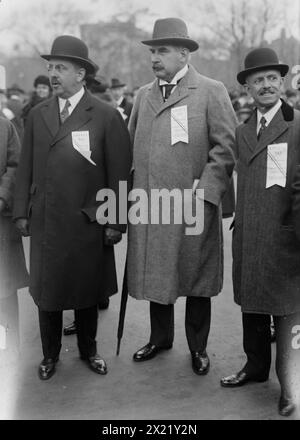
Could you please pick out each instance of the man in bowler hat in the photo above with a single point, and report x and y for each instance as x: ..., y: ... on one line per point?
x: 163, y: 262
x: 123, y: 105
x: 74, y: 146
x: 266, y: 252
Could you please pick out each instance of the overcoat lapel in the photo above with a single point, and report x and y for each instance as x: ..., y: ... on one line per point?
x: 276, y: 128
x: 249, y: 132
x: 182, y: 90
x: 80, y: 116
x: 50, y: 114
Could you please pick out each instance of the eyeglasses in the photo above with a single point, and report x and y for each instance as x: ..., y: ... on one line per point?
x: 272, y: 79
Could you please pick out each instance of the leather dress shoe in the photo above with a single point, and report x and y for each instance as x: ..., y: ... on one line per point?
x: 47, y: 368
x: 200, y: 362
x: 241, y: 378
x: 97, y: 364
x: 70, y: 329
x: 286, y: 406
x: 103, y: 305
x: 148, y: 352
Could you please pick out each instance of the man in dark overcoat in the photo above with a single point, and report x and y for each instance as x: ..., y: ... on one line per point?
x: 165, y: 263
x: 266, y: 252
x: 117, y: 89
x: 74, y: 146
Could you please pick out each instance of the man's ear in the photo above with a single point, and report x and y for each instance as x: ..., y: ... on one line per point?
x: 81, y: 74
x: 246, y: 87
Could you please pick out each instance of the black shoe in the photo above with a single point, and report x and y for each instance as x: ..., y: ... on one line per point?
x: 70, y: 329
x: 97, y: 364
x: 148, y: 352
x: 286, y: 406
x: 200, y: 362
x: 241, y: 378
x: 103, y: 305
x: 47, y: 368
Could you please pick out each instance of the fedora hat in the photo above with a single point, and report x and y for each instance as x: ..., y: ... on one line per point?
x: 73, y: 49
x: 261, y: 59
x: 171, y: 31
x: 115, y: 83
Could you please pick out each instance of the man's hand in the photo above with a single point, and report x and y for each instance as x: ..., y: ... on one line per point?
x: 2, y: 205
x: 111, y: 236
x: 22, y: 225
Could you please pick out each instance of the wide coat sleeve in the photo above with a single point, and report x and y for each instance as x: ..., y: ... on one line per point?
x: 24, y: 173
x: 222, y: 122
x: 7, y: 179
x: 296, y: 202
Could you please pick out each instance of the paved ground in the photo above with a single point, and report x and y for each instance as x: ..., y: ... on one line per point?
x: 163, y: 388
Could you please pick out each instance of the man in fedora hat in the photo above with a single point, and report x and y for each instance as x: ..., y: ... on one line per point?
x: 266, y: 252
x: 74, y: 146
x: 163, y: 262
x: 117, y: 89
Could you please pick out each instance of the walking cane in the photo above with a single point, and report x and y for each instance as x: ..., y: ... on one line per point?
x: 122, y: 312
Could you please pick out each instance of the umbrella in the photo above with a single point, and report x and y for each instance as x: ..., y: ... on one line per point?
x: 122, y: 312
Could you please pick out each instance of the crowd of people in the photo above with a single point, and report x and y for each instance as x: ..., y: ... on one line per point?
x: 183, y: 132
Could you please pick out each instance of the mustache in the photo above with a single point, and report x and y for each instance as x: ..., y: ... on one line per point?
x: 266, y: 90
x: 156, y: 66
x: 54, y: 81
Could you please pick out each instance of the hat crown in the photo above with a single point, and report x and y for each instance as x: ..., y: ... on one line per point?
x: 261, y: 57
x: 170, y: 28
x: 115, y: 82
x: 69, y: 46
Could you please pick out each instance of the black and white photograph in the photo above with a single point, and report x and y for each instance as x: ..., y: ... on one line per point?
x: 149, y: 213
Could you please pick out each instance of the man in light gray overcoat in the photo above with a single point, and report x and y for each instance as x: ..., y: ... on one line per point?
x: 165, y: 263
x: 266, y: 252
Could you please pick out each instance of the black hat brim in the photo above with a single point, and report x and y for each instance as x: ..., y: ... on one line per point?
x: 242, y: 76
x: 90, y: 67
x: 185, y: 42
x: 117, y: 86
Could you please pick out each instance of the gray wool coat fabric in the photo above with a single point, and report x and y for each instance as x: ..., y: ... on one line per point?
x: 13, y: 273
x: 266, y: 252
x: 163, y: 262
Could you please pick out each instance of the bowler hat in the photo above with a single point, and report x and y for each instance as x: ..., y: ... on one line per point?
x: 115, y: 83
x: 73, y: 49
x: 262, y: 58
x: 171, y: 31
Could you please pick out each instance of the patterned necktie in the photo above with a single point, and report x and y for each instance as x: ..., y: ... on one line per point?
x: 168, y: 90
x: 262, y: 127
x: 65, y: 112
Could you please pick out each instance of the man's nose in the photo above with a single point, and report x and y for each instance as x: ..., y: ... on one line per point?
x: 154, y: 58
x: 266, y: 83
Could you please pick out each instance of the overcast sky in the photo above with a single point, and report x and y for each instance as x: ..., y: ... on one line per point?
x: 104, y: 9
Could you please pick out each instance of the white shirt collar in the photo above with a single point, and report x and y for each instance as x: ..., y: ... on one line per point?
x: 120, y: 100
x: 74, y: 100
x: 269, y: 115
x: 180, y: 74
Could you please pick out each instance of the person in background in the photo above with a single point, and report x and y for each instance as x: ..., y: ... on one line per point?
x: 117, y: 90
x: 13, y: 108
x: 42, y: 91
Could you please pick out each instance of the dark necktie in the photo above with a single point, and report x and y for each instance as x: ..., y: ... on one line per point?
x: 168, y: 89
x: 262, y: 127
x: 65, y: 112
